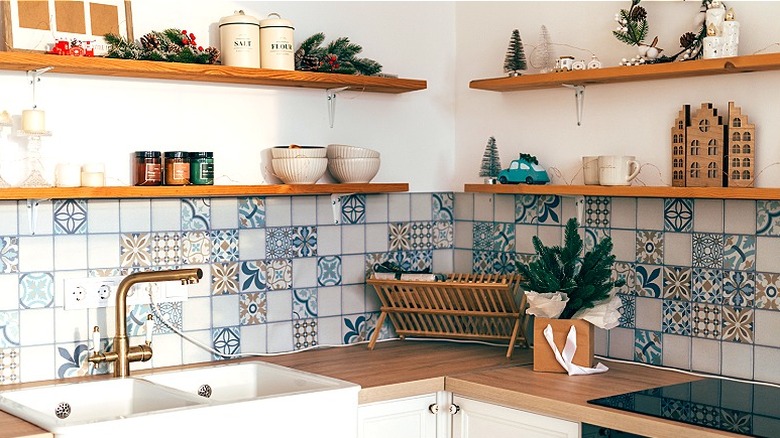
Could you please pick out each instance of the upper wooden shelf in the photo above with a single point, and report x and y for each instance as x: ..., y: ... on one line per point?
x: 196, y: 191
x: 629, y: 191
x: 204, y: 73
x: 609, y: 75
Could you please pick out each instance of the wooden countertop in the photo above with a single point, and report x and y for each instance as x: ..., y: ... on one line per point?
x: 406, y: 368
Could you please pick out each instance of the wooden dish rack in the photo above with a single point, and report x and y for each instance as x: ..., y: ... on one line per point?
x: 464, y: 306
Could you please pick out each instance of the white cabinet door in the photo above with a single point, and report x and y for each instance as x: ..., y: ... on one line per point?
x: 479, y: 420
x: 400, y: 418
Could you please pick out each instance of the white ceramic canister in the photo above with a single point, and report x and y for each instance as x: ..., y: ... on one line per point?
x: 277, y: 49
x: 239, y: 37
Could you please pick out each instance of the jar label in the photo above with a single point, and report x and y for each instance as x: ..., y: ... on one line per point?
x: 206, y: 171
x: 152, y: 172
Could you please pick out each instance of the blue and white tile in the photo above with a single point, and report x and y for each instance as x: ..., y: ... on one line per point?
x: 304, y: 210
x: 224, y: 278
x: 353, y: 209
x: 172, y: 314
x: 739, y: 252
x: 103, y: 216
x: 9, y: 254
x: 739, y: 288
x: 135, y: 215
x: 443, y: 206
x: 707, y: 250
x: 251, y: 212
x: 483, y: 236
x: 166, y: 215
x: 251, y: 243
x: 9, y: 329
x: 420, y: 208
x: 103, y: 250
x: 278, y: 274
x: 706, y: 321
x: 677, y: 283
x: 278, y: 242
x: 70, y: 252
x: 223, y: 213
x: 304, y: 272
x: 767, y: 287
x: 649, y: 281
x: 36, y: 290
x: 279, y: 337
x: 592, y: 236
x: 624, y: 271
x: 503, y: 263
x: 304, y: 241
x: 329, y: 271
x: 304, y: 333
x: 304, y: 303
x: 443, y: 235
x: 9, y: 217
x: 226, y: 340
x: 225, y: 310
x: 376, y: 209
x: 399, y: 236
x: 597, y: 212
x: 278, y: 211
x: 676, y: 317
x: 648, y: 347
x: 421, y: 235
x: 549, y: 209
x: 224, y: 246
x: 196, y: 214
x: 9, y: 366
x: 166, y: 249
x: 503, y: 237
x: 482, y: 262
x: 70, y: 216
x: 738, y: 324
x: 707, y: 286
x: 252, y: 277
x: 136, y: 250
x: 527, y: 209
x: 36, y: 253
x: 36, y: 327
x: 627, y: 311
x: 768, y: 218
x: 650, y: 247
x: 678, y: 214
x: 358, y: 328
x: 196, y: 247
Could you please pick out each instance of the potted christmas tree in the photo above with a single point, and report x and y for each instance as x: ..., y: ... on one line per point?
x: 491, y: 163
x: 586, y: 283
x: 515, y: 61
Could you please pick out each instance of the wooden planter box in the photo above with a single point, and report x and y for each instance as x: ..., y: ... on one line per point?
x: 465, y: 306
x: 544, y: 358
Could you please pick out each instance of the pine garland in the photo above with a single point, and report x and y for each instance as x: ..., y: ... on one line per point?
x: 170, y: 45
x: 339, y: 56
x: 558, y: 269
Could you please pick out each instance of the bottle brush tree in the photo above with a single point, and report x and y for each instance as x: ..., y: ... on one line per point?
x: 515, y: 55
x: 559, y: 269
x: 491, y: 163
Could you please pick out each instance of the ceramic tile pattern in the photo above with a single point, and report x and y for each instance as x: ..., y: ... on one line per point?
x: 709, y: 295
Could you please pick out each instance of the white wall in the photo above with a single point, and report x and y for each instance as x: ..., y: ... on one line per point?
x: 633, y: 118
x: 103, y: 119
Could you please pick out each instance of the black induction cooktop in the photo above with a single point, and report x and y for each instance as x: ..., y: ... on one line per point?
x: 745, y: 408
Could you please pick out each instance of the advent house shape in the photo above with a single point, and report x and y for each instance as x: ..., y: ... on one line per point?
x: 708, y: 151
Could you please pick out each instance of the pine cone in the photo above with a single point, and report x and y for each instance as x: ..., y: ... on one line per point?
x: 638, y: 14
x: 150, y: 41
x: 687, y: 39
x: 213, y: 53
x: 310, y: 63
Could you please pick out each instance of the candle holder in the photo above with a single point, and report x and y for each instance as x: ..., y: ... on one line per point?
x: 4, y: 124
x: 34, y: 176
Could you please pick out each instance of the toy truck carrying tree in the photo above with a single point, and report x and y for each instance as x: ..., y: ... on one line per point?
x: 525, y: 169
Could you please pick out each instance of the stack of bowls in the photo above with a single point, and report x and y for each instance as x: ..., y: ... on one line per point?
x: 352, y: 164
x: 299, y: 164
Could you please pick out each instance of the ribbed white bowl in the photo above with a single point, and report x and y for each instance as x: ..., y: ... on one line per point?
x: 300, y: 170
x: 353, y: 170
x: 298, y: 152
x: 346, y: 151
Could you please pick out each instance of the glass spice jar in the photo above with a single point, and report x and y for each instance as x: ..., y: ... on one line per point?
x: 202, y: 168
x: 147, y: 168
x: 177, y: 168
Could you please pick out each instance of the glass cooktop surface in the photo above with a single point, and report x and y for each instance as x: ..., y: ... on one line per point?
x: 745, y: 408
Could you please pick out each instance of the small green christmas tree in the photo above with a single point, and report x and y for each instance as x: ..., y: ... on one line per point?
x: 491, y: 163
x: 515, y: 55
x: 557, y: 269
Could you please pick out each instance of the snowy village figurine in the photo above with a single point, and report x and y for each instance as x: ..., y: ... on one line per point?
x: 712, y: 43
x: 730, y: 34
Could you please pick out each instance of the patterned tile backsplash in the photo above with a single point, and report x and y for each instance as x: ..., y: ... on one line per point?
x: 702, y: 276
x: 280, y: 273
x: 288, y: 273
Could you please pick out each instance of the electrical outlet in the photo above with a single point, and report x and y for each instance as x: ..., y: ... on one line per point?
x: 96, y: 292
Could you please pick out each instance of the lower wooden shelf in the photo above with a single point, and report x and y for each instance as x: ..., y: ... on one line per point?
x: 196, y: 191
x: 768, y: 193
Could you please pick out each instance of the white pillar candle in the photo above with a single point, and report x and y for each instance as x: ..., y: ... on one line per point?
x: 716, y: 13
x: 68, y: 175
x: 93, y: 175
x: 730, y: 35
x: 34, y: 121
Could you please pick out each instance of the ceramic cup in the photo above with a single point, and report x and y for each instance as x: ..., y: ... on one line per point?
x: 617, y: 170
x: 590, y: 169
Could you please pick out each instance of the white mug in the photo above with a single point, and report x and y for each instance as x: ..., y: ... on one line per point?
x: 590, y: 169
x: 617, y: 170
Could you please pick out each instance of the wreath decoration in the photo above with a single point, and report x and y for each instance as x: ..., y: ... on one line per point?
x: 633, y: 28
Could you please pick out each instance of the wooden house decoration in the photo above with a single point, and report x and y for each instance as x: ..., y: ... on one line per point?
x: 708, y: 151
x: 742, y: 149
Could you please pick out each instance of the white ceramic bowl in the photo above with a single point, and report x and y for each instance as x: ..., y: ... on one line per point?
x: 353, y: 170
x: 300, y: 170
x: 345, y: 151
x: 298, y: 152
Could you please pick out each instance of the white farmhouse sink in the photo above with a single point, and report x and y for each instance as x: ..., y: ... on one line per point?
x: 80, y: 409
x: 248, y: 399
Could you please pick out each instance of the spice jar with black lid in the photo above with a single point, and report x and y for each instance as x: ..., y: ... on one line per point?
x: 177, y: 168
x: 147, y: 168
x: 202, y: 168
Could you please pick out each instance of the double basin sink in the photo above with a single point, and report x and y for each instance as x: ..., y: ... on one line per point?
x: 237, y: 399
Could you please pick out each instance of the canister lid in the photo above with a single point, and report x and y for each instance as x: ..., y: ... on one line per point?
x: 239, y: 18
x: 275, y: 20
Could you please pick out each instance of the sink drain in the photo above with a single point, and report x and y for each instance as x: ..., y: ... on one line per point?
x: 204, y: 390
x: 62, y: 411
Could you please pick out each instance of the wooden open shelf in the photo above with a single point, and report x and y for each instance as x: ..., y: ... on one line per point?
x: 609, y: 75
x: 196, y: 191
x: 204, y: 73
x: 629, y: 191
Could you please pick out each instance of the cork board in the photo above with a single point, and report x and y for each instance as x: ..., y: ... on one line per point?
x: 36, y: 25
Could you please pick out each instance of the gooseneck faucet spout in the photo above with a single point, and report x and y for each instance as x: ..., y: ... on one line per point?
x: 123, y: 353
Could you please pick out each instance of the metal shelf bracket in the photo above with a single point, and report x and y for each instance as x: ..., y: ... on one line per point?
x: 579, y: 97
x: 330, y: 94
